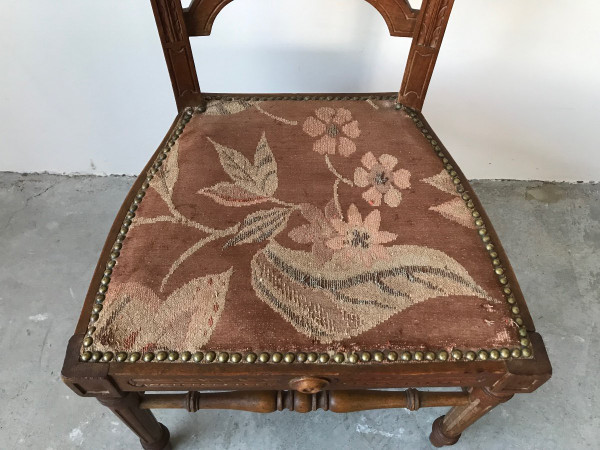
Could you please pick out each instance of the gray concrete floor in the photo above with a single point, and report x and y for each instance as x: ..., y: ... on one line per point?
x: 52, y: 229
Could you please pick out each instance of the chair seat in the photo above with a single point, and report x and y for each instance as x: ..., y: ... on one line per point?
x: 285, y: 228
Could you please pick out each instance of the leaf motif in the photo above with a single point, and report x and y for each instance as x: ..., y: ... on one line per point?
x: 227, y: 107
x: 167, y: 175
x: 266, y: 167
x: 229, y: 194
x: 456, y: 211
x: 147, y: 322
x: 259, y: 178
x: 330, y: 302
x: 261, y: 225
x: 236, y: 165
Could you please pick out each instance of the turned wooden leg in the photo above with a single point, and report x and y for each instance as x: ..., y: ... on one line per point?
x: 153, y: 435
x: 446, y: 429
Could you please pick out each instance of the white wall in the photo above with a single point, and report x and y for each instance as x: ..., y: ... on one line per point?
x: 84, y: 88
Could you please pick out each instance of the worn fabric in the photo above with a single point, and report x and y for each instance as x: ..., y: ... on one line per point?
x: 303, y: 225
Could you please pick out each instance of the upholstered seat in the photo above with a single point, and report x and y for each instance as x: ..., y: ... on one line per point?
x: 279, y: 229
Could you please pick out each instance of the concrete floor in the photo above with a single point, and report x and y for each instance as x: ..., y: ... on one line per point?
x: 52, y: 228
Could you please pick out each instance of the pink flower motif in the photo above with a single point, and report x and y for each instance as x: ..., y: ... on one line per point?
x: 381, y: 178
x: 358, y: 240
x: 335, y: 128
x: 317, y: 231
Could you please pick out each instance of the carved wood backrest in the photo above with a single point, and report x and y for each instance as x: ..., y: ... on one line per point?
x: 426, y: 27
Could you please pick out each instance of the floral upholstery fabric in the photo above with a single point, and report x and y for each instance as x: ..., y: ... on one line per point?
x: 303, y: 225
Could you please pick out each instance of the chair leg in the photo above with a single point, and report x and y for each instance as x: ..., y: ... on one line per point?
x: 446, y: 429
x: 153, y: 435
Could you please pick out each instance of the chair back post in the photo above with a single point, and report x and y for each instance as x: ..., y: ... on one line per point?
x: 175, y: 41
x: 426, y: 42
x: 426, y: 27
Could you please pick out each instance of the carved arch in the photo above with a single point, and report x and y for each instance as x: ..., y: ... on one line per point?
x: 399, y: 16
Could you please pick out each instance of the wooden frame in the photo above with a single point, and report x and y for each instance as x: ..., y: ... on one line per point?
x: 426, y: 27
x: 132, y: 390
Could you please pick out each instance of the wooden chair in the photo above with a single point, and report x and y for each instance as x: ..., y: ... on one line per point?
x: 294, y: 251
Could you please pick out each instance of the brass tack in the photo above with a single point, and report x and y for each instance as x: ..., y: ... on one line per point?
x: 121, y: 356
x: 223, y: 357
x: 434, y: 142
x: 443, y: 355
x: 519, y: 321
x: 475, y: 214
x: 457, y: 354
x: 134, y: 356
x: 365, y: 356
x: 499, y: 270
x: 465, y: 196
x: 460, y: 188
x: 210, y: 356
x: 503, y: 280
x: 449, y: 167
x: 504, y: 353
x: 430, y: 356
x: 507, y: 290
x: 515, y: 310
x: 312, y: 357
x: 440, y: 154
x: 148, y: 357
x: 108, y: 272
x: 99, y: 298
x: 86, y: 356
x: 493, y: 254
x: 470, y: 356
x: 236, y: 358
x: 123, y: 231
x: 96, y: 356
x: 162, y: 355
x: 173, y: 356
x: 102, y: 289
x: 482, y: 231
x: 398, y: 106
x: 392, y: 356
x: 524, y: 342
x: 87, y: 341
x: 114, y: 255
x: 378, y: 356
x: 419, y: 356
x: 97, y: 308
x: 91, y: 330
x: 526, y: 352
x: 323, y: 358
x: 494, y: 354
x: 405, y: 356
x: 456, y: 180
x: 186, y: 356
x: 479, y: 222
x: 276, y: 357
x: 429, y: 137
x: 289, y: 357
x: 301, y: 357
x: 202, y: 108
x: 353, y: 358
x: 251, y: 358
x: 94, y: 317
x: 486, y: 238
x: 523, y: 332
x: 496, y: 262
x: 516, y: 353
x: 264, y: 357
x: 339, y: 358
x: 483, y: 355
x: 108, y: 356
x: 511, y: 300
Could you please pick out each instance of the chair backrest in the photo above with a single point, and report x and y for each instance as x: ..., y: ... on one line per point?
x: 425, y: 26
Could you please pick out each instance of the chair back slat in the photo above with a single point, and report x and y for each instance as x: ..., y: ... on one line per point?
x: 425, y: 26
